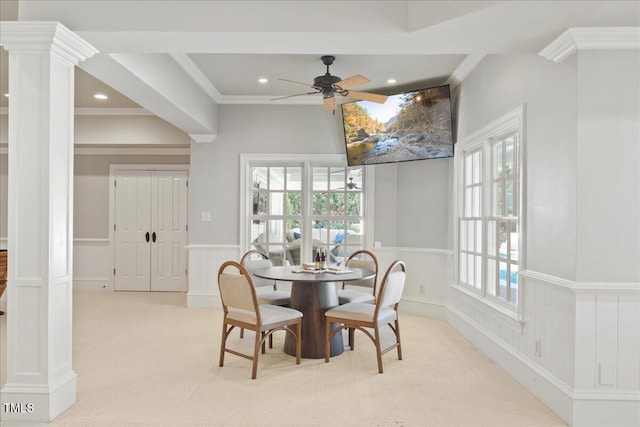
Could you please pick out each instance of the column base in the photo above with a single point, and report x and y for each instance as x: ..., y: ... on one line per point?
x: 37, y: 403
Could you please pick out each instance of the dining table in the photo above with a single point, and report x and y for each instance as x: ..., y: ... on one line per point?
x: 313, y: 293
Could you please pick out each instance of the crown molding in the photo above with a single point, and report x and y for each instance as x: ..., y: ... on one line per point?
x: 465, y: 68
x: 591, y: 38
x: 45, y: 35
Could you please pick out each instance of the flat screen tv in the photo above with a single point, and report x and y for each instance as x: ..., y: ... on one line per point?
x: 415, y: 125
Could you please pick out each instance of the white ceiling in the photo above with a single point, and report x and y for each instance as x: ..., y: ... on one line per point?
x: 180, y: 59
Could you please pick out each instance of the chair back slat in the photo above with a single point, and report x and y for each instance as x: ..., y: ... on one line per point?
x: 392, y: 285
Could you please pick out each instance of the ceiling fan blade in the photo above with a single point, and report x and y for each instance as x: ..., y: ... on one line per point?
x: 291, y: 96
x: 293, y: 81
x: 356, y: 80
x: 366, y: 96
x: 329, y: 103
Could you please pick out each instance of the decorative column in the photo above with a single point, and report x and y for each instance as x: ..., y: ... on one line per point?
x: 41, y: 383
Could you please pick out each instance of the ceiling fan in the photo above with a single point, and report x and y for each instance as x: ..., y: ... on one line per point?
x: 329, y: 86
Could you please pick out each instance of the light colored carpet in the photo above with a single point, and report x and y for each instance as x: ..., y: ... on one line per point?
x: 144, y: 359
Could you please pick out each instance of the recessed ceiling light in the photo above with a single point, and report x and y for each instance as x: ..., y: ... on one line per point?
x: 392, y: 81
x: 6, y: 94
x: 263, y: 80
x: 101, y: 96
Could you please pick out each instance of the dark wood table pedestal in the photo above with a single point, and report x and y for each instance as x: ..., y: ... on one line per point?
x: 313, y: 300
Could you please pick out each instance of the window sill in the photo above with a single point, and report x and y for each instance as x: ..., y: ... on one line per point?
x: 505, y: 316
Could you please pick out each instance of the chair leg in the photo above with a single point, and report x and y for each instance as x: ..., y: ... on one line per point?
x: 378, y: 351
x: 398, y: 339
x: 262, y: 334
x: 241, y: 332
x: 298, y: 341
x: 327, y: 343
x: 271, y: 341
x: 223, y: 343
x: 352, y: 341
x: 256, y: 353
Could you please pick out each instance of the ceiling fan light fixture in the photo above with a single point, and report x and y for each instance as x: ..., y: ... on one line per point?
x: 329, y: 85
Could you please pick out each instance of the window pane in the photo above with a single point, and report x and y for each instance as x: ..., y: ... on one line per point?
x: 467, y: 201
x: 468, y: 169
x: 276, y: 178
x: 502, y: 284
x: 491, y: 238
x: 498, y: 201
x: 509, y: 166
x: 463, y: 235
x: 463, y: 267
x: 336, y: 204
x: 491, y: 277
x: 354, y: 180
x: 502, y: 239
x: 479, y: 236
x: 477, y: 171
x: 257, y: 228
x: 475, y: 209
x: 470, y: 271
x: 513, y: 283
x: 276, y: 231
x: 319, y: 203
x: 497, y: 160
x: 294, y: 178
x: 320, y: 182
x: 508, y: 195
x: 471, y: 234
x: 337, y: 179
x: 354, y: 204
x: 276, y: 205
x: 478, y: 281
x: 293, y: 203
x: 514, y: 241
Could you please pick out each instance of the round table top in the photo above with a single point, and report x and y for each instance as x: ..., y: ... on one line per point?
x: 292, y: 274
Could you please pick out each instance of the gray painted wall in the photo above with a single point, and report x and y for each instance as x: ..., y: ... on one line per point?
x: 499, y: 84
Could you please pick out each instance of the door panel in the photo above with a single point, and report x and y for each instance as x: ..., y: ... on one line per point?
x: 132, y: 222
x: 169, y: 223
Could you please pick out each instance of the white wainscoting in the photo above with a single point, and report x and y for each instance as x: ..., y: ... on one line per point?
x: 204, y: 261
x: 428, y: 273
x: 91, y: 265
x: 578, y: 350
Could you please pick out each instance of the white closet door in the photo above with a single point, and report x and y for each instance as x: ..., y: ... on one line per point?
x: 169, y: 231
x: 132, y: 223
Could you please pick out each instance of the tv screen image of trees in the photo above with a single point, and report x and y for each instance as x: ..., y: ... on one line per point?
x: 409, y: 126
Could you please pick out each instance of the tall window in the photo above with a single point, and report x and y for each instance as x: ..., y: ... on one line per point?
x: 298, y: 209
x: 489, y: 212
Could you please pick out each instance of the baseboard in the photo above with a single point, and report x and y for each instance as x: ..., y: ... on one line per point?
x: 546, y: 387
x: 36, y: 403
x: 422, y: 307
x: 92, y: 284
x: 202, y: 300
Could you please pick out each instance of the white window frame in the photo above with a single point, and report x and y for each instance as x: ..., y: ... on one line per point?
x: 247, y: 161
x: 512, y: 122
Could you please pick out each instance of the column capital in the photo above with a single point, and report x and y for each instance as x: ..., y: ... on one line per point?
x: 45, y: 36
x: 203, y: 137
x: 603, y: 38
